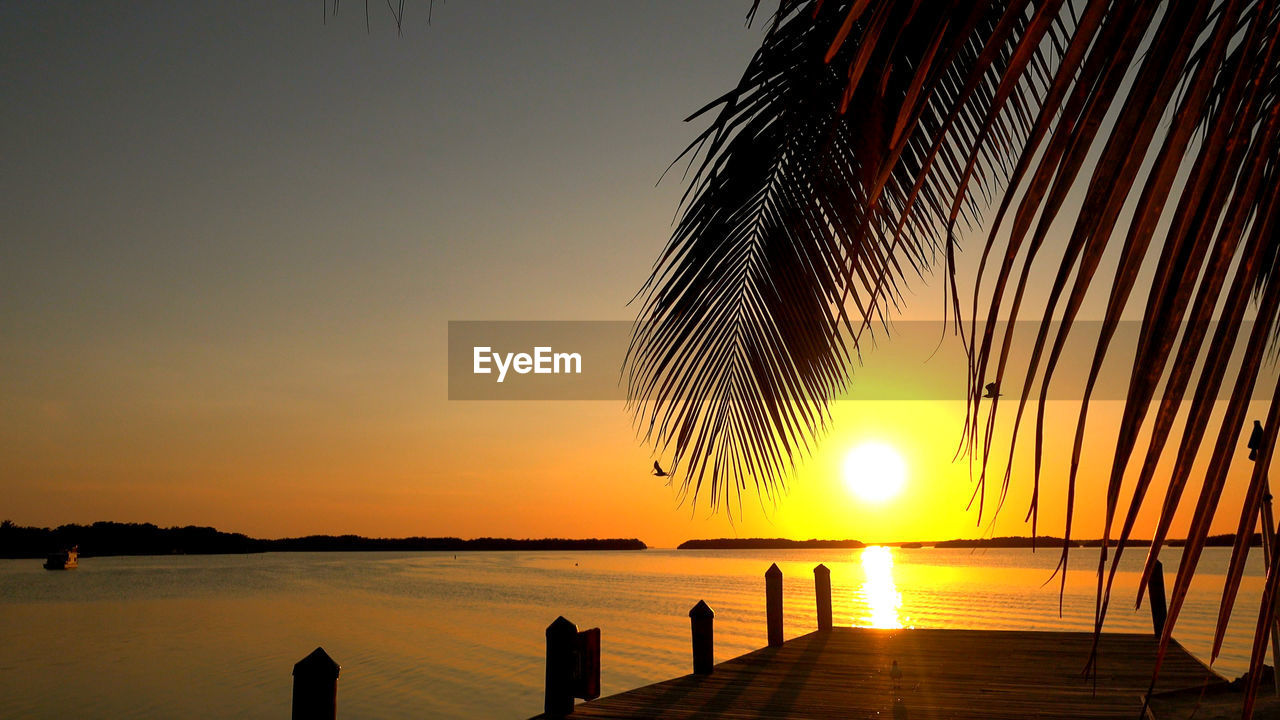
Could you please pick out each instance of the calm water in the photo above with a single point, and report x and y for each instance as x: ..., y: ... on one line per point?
x: 431, y: 635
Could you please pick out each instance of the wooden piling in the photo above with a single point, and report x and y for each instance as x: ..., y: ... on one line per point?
x: 315, y: 687
x: 1155, y: 592
x: 701, y: 618
x: 773, y: 604
x: 822, y: 595
x: 562, y: 661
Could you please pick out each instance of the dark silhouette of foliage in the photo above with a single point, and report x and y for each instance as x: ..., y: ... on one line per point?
x: 765, y: 544
x: 863, y: 137
x: 357, y: 543
x: 111, y: 538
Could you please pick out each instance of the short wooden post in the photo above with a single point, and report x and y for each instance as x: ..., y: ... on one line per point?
x: 315, y: 687
x: 773, y: 603
x: 822, y: 595
x: 701, y: 618
x: 1155, y: 591
x: 562, y: 642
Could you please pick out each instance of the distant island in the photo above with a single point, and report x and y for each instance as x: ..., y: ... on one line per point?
x: 1049, y: 541
x: 113, y: 538
x: 1040, y: 541
x: 765, y: 544
x: 1006, y: 542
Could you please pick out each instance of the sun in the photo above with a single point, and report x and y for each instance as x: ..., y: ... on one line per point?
x: 875, y: 471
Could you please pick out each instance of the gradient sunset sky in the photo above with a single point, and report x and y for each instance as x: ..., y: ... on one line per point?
x: 233, y: 236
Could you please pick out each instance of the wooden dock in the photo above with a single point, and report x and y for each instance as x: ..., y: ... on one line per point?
x: 946, y: 674
x: 856, y: 673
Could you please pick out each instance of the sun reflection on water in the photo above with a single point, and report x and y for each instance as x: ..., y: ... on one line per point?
x: 879, y: 592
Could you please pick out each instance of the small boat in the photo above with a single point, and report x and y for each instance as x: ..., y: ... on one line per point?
x: 65, y: 560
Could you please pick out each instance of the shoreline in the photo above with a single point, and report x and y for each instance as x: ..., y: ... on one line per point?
x: 113, y: 539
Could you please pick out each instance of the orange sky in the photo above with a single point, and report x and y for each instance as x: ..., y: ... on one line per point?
x: 500, y: 469
x: 227, y: 297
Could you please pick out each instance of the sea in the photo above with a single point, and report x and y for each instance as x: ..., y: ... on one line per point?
x: 439, y: 635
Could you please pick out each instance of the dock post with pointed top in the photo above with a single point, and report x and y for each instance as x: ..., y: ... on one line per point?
x: 773, y: 604
x: 315, y: 687
x: 701, y: 618
x: 1155, y: 591
x: 562, y: 640
x: 822, y: 595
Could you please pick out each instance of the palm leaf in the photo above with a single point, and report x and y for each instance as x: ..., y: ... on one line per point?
x: 810, y: 195
x: 864, y: 136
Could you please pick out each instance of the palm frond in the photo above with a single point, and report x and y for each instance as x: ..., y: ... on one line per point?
x: 810, y: 205
x: 1223, y: 201
x: 863, y: 135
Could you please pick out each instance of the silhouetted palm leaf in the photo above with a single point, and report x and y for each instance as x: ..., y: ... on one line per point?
x: 808, y: 195
x: 862, y: 133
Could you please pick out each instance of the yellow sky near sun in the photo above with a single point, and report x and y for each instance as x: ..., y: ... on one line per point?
x: 532, y: 469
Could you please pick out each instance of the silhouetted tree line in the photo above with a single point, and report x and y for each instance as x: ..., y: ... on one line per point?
x: 1047, y: 541
x: 356, y: 543
x: 112, y: 538
x: 765, y: 544
x: 1041, y: 541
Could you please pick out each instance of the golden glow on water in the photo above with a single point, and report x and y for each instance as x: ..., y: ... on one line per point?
x: 459, y: 637
x: 879, y: 591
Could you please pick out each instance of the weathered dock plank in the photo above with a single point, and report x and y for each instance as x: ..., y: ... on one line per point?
x: 946, y: 674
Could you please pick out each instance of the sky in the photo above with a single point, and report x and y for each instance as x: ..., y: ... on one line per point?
x: 233, y: 234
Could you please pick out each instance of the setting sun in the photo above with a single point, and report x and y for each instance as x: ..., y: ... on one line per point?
x: 875, y: 471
